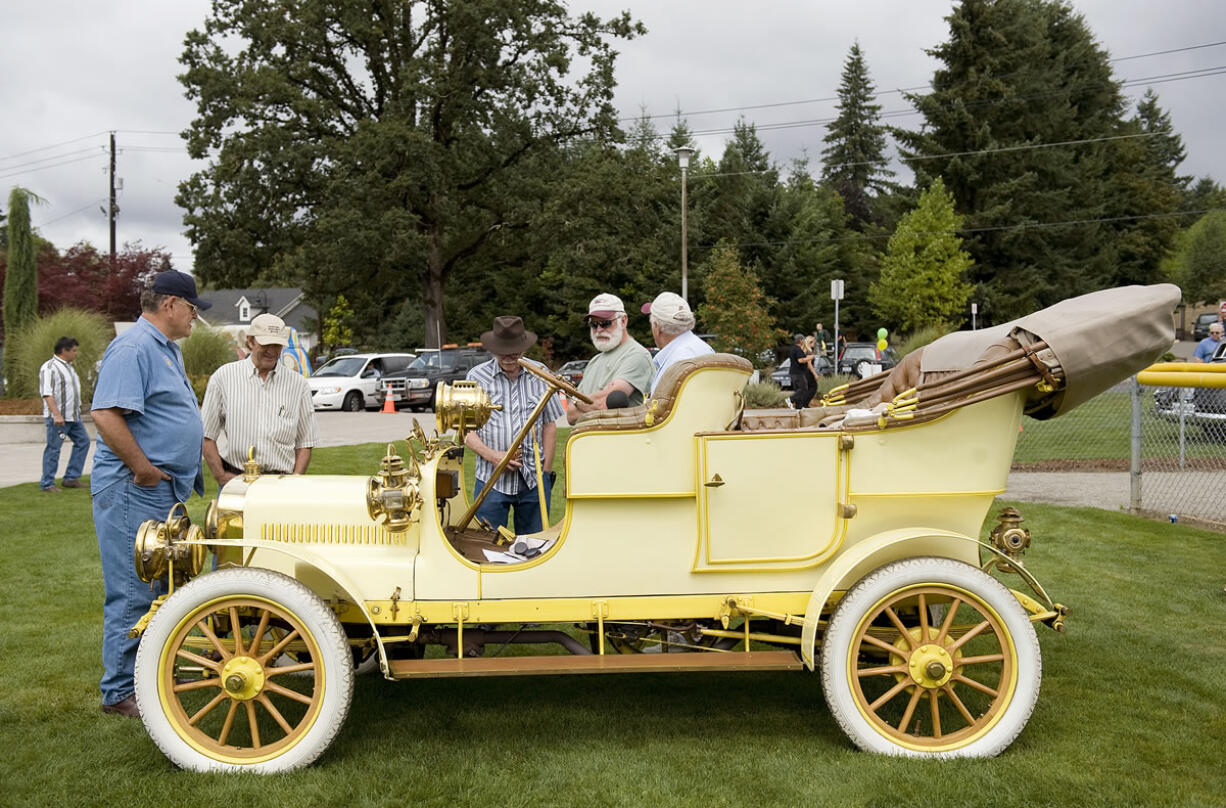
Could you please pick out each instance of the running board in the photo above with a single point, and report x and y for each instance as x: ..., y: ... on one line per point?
x: 595, y: 663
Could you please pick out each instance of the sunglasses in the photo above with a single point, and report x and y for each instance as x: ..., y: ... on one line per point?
x: 595, y: 324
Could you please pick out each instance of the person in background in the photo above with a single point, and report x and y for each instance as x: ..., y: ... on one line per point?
x: 519, y: 392
x: 259, y: 402
x: 147, y: 459
x: 803, y: 385
x: 60, y: 388
x: 1206, y: 348
x: 672, y: 328
x: 621, y: 364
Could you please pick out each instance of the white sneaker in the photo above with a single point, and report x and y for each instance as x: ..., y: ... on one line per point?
x: 788, y: 401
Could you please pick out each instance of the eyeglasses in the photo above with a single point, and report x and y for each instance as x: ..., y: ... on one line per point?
x: 595, y: 324
x: 189, y: 305
x: 509, y: 357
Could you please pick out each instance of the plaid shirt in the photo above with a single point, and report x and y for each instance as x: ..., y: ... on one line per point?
x: 518, y: 397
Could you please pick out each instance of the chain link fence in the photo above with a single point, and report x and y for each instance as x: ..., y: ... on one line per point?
x: 1167, y: 445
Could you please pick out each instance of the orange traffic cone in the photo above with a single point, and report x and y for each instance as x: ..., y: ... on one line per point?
x: 565, y: 402
x: 389, y: 403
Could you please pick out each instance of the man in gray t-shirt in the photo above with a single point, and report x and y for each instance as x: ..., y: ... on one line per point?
x: 621, y: 364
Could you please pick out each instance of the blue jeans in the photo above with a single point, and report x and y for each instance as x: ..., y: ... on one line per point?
x: 497, y: 505
x: 73, y: 431
x: 118, y: 511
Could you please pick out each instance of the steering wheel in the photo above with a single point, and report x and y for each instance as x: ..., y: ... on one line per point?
x: 547, y: 377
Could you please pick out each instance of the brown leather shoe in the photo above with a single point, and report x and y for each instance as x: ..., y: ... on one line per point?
x: 127, y: 708
x: 72, y: 484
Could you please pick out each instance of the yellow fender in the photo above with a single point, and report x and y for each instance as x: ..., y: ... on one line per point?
x: 865, y: 556
x: 303, y: 554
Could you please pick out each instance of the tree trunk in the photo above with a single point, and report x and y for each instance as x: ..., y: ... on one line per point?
x: 433, y: 283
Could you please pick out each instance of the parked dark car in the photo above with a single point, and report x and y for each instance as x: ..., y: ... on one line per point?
x: 1200, y: 329
x: 782, y: 375
x: 572, y: 371
x: 862, y: 359
x: 1202, y: 406
x: 415, y: 386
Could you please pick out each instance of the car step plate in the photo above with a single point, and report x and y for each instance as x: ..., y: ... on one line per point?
x: 595, y: 663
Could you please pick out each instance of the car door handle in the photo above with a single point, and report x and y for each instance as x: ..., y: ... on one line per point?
x: 715, y: 482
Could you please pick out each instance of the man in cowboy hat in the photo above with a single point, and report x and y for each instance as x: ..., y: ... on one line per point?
x: 518, y: 392
x: 622, y: 364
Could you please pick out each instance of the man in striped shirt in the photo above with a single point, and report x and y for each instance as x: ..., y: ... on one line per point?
x: 519, y: 392
x: 60, y: 388
x: 258, y: 402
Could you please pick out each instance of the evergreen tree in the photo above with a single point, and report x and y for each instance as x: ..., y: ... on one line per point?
x: 20, y: 282
x: 854, y: 159
x: 1019, y: 75
x: 922, y: 272
x: 1203, y: 195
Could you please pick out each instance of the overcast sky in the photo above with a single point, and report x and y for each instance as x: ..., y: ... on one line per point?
x: 76, y: 69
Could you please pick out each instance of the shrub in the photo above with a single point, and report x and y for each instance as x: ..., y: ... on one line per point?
x: 205, y: 350
x: 35, y: 344
x: 920, y: 338
x: 764, y: 396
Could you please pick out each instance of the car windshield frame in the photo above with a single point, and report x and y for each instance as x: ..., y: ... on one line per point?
x: 858, y: 352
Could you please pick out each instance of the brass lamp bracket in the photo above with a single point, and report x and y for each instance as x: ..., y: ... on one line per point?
x: 394, y: 493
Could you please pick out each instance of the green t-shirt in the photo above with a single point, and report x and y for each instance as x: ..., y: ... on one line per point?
x: 629, y: 361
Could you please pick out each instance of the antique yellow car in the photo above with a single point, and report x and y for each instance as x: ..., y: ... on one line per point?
x: 663, y: 561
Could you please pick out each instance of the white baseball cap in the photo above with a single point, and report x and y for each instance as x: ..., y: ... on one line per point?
x: 605, y: 306
x: 669, y: 307
x: 268, y: 329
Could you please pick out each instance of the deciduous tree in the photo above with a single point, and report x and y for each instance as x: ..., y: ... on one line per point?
x: 735, y: 309
x: 374, y: 147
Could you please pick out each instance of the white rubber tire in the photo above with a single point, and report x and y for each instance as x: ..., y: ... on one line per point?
x: 839, y: 644
x: 284, y: 593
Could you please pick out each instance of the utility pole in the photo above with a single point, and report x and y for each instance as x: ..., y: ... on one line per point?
x: 112, y: 208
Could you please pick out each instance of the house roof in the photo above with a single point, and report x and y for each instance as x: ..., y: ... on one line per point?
x: 286, y: 303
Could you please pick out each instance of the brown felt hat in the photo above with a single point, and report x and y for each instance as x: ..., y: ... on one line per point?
x: 508, y: 336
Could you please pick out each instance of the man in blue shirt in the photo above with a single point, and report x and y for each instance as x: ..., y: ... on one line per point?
x: 147, y: 459
x: 518, y: 392
x: 1206, y: 348
x: 672, y: 327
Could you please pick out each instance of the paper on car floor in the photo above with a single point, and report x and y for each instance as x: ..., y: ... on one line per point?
x: 528, y: 544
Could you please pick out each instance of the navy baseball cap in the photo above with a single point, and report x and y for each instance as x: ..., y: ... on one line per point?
x: 179, y: 284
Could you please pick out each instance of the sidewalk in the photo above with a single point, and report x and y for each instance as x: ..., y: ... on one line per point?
x: 23, y: 462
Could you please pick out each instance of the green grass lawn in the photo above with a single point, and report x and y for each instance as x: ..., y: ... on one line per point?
x: 1132, y: 709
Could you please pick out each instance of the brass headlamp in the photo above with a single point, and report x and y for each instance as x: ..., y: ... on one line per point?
x: 462, y: 406
x: 159, y: 544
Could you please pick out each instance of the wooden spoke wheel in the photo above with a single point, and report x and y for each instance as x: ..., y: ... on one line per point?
x: 244, y: 669
x: 930, y: 656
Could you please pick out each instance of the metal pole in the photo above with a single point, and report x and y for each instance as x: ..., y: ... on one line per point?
x: 684, y: 240
x: 113, y: 208
x: 1134, y: 470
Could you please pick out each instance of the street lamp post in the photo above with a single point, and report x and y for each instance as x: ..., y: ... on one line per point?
x: 683, y: 158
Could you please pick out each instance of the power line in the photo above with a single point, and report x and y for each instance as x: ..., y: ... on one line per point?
x: 54, y: 165
x: 52, y: 146
x: 73, y: 213
x: 683, y: 114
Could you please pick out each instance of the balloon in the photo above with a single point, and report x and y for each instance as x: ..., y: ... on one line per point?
x: 882, y: 345
x: 881, y: 333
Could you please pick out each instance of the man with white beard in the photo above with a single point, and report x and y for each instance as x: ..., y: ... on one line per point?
x: 622, y: 364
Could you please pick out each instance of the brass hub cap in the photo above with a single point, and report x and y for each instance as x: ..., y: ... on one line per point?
x: 930, y: 666
x: 243, y: 678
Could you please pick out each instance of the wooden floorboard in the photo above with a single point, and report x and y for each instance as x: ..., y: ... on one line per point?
x: 609, y: 663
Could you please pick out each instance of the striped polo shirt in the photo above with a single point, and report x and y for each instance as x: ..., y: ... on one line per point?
x: 518, y: 397
x: 275, y: 415
x: 58, y: 379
